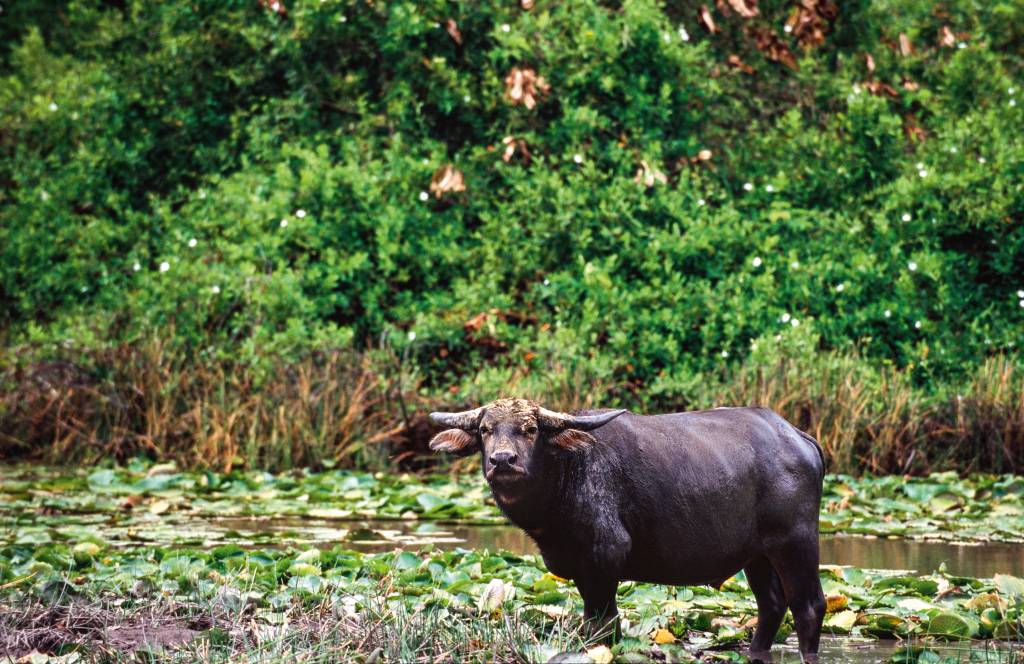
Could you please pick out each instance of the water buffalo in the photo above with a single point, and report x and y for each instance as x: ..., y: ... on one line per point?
x: 680, y: 499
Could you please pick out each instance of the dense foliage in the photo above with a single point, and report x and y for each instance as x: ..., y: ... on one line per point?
x: 252, y: 181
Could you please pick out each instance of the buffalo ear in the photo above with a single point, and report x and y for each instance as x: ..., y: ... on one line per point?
x: 572, y: 439
x: 454, y: 441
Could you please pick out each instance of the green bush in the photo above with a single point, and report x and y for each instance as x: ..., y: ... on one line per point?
x: 297, y: 152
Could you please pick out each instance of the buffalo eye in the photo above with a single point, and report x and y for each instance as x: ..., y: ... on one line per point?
x: 485, y: 430
x: 530, y: 429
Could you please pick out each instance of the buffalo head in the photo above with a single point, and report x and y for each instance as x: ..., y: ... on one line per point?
x: 515, y: 436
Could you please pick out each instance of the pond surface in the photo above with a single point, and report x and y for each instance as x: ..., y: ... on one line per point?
x: 922, y: 556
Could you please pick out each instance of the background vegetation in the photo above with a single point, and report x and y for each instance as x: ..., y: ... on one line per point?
x: 274, y: 233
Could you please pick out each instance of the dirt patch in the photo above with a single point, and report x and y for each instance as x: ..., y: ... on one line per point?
x: 55, y: 629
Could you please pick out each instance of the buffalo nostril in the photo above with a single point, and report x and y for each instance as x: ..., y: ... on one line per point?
x: 503, y: 458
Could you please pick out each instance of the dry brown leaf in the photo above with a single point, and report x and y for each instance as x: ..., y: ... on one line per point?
x: 870, y: 61
x: 647, y: 175
x: 476, y: 322
x: 811, y: 20
x: 905, y: 47
x: 707, y: 20
x: 946, y: 37
x: 524, y: 86
x: 447, y: 179
x: 881, y: 89
x: 513, y: 146
x: 745, y: 8
x: 453, y: 30
x: 734, y: 61
x: 912, y: 130
x: 910, y: 85
x: 527, y: 5
x: 773, y: 47
x: 704, y: 154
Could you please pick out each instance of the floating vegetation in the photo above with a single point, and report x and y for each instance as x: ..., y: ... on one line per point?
x: 980, y: 508
x: 242, y: 600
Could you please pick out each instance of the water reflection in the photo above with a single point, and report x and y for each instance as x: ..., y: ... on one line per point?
x: 978, y: 560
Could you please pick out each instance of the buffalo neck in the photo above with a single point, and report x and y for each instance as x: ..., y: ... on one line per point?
x: 542, y: 502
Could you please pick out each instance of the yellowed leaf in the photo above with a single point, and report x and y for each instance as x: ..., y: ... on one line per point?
x: 601, y: 655
x: 662, y: 636
x: 836, y: 602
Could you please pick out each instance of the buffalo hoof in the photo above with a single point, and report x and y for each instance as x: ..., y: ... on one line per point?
x: 760, y: 657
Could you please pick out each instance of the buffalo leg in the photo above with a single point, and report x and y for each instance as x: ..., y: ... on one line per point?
x: 766, y: 585
x: 797, y: 565
x: 599, y: 610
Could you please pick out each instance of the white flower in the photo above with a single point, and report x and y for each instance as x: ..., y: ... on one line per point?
x: 840, y: 288
x: 44, y: 195
x: 917, y: 325
x: 215, y: 290
x: 467, y: 98
x: 1020, y: 294
x: 1021, y: 303
x: 342, y: 18
x: 53, y: 106
x: 769, y: 188
x: 136, y: 266
x: 547, y: 282
x: 748, y: 186
x: 412, y: 335
x: 778, y: 337
x: 667, y: 37
x: 756, y: 262
x: 284, y: 223
x: 887, y: 313
x: 906, y: 216
x: 952, y: 149
x: 578, y: 158
x: 1011, y: 91
x: 192, y: 242
x: 165, y: 266
x: 505, y: 27
x: 923, y: 173
x: 919, y: 165
x: 981, y: 160
x: 795, y: 265
x: 1013, y: 102
x: 961, y: 45
x: 912, y: 266
x: 701, y: 202
x: 301, y: 214
x: 785, y: 318
x: 787, y: 28
x: 725, y: 353
x: 683, y: 34
x: 795, y: 322
x: 424, y: 196
x: 85, y: 289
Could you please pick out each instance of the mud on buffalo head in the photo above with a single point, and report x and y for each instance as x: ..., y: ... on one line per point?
x: 515, y: 436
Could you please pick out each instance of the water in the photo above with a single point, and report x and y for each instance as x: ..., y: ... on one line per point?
x: 924, y: 557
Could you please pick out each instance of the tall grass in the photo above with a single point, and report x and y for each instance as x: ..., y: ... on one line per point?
x: 358, y: 410
x: 876, y: 420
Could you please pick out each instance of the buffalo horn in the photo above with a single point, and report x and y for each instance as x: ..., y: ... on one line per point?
x: 549, y: 419
x: 467, y: 420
